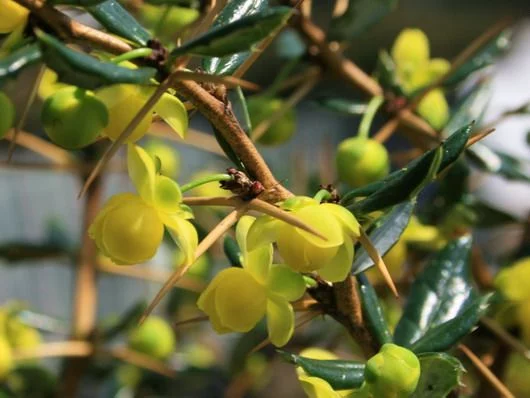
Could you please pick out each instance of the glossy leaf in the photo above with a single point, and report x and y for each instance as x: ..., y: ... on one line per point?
x: 498, y: 163
x: 227, y: 149
x: 483, y: 57
x: 236, y: 36
x: 440, y: 293
x: 359, y: 17
x: 440, y: 374
x: 232, y: 251
x: 401, y: 184
x: 126, y: 321
x: 85, y: 71
x: 117, y: 20
x: 13, y: 63
x: 342, y: 105
x: 444, y: 336
x: 385, y: 235
x: 341, y: 375
x: 233, y: 11
x: 372, y: 311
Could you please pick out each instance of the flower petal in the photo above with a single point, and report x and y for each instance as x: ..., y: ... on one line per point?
x: 411, y: 49
x: 184, y: 234
x: 141, y: 171
x: 339, y: 267
x: 242, y: 228
x: 280, y: 320
x: 263, y: 231
x: 174, y: 113
x: 167, y: 195
x: 319, y: 219
x: 315, y: 387
x: 285, y: 282
x: 345, y: 217
x: 206, y: 301
x: 240, y: 301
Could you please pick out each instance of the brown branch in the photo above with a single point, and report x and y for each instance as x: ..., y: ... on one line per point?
x: 55, y: 349
x: 141, y: 360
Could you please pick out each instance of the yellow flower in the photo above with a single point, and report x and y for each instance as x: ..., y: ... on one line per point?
x: 238, y: 298
x: 305, y: 252
x: 124, y: 101
x: 168, y: 156
x: 12, y: 15
x: 130, y: 227
x: 416, y: 70
x: 6, y: 357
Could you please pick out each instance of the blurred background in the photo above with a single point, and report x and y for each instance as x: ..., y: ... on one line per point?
x: 41, y: 217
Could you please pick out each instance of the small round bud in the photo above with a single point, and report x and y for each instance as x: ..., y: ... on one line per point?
x: 7, y: 114
x: 262, y: 108
x: 73, y: 118
x: 154, y: 337
x: 434, y: 109
x: 393, y: 372
x: 361, y: 161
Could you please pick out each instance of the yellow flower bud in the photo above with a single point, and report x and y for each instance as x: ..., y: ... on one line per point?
x: 11, y: 15
x: 73, y: 118
x: 6, y: 357
x: 410, y: 52
x: 361, y: 161
x: 173, y: 22
x: 306, y: 252
x: 154, y: 337
x: 394, y: 372
x: 513, y: 281
x: 262, y: 108
x: 7, y: 114
x: 434, y: 109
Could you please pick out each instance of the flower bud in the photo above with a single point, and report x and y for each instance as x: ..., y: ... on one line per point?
x: 394, y: 372
x: 11, y: 15
x: 262, y: 108
x: 7, y: 114
x: 167, y: 24
x: 154, y: 337
x: 434, y: 109
x: 361, y: 161
x: 73, y: 118
x: 6, y: 357
x: 410, y: 52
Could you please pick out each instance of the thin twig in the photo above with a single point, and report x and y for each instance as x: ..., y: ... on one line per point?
x: 197, y: 319
x: 229, y: 81
x: 505, y: 337
x: 479, y: 136
x: 486, y: 372
x: 141, y: 360
x: 44, y: 148
x: 194, y: 138
x: 55, y: 349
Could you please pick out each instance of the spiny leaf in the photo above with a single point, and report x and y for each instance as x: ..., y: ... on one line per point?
x: 82, y: 70
x: 440, y: 374
x: 237, y: 36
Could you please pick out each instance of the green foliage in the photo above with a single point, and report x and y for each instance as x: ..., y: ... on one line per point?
x: 12, y: 64
x: 440, y: 374
x: 342, y: 105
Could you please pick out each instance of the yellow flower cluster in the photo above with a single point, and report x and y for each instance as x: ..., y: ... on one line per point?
x: 12, y: 16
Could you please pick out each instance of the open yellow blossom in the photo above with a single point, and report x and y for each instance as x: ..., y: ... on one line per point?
x: 304, y: 252
x: 238, y: 298
x: 416, y: 70
x: 12, y: 15
x: 129, y: 228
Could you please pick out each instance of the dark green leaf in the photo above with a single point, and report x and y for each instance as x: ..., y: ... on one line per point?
x: 440, y: 374
x: 13, y: 63
x: 240, y: 108
x: 236, y: 36
x: 372, y: 311
x: 342, y: 105
x: 227, y: 149
x: 117, y: 20
x: 440, y: 293
x: 232, y: 251
x: 341, y: 375
x: 235, y: 10
x: 401, y: 184
x: 359, y: 17
x: 127, y: 321
x: 82, y: 70
x: 385, y: 73
x: 385, y: 235
x: 485, y: 56
x: 498, y: 163
x: 447, y: 334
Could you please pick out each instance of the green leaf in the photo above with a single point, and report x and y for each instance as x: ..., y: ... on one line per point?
x: 372, y: 311
x: 234, y: 10
x: 498, y: 163
x: 236, y: 36
x: 85, y: 71
x: 472, y: 109
x: 342, y: 105
x: 127, y: 321
x: 400, y: 185
x: 485, y: 56
x: 439, y: 294
x: 240, y: 108
x: 440, y: 374
x: 359, y: 17
x: 13, y: 63
x: 386, y: 74
x: 227, y: 149
x: 387, y: 232
x: 232, y: 251
x: 117, y: 20
x: 444, y: 336
x: 341, y: 375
